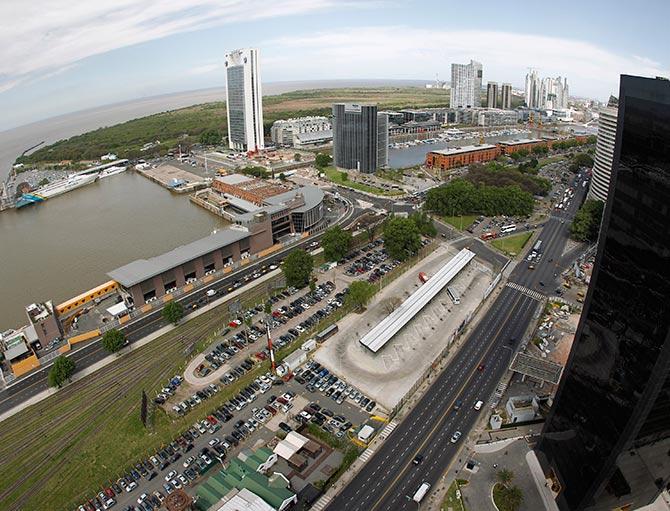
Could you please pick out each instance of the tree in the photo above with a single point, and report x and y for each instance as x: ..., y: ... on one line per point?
x: 210, y: 137
x: 268, y: 308
x: 312, y: 285
x: 247, y: 325
x: 360, y: 294
x: 43, y: 181
x: 255, y: 171
x: 505, y: 476
x: 401, y: 238
x: 391, y: 304
x: 424, y: 223
x: 344, y: 176
x: 282, y: 176
x: 297, y: 268
x: 322, y: 160
x: 513, y: 497
x: 336, y: 242
x: 113, y: 340
x: 173, y: 312
x: 586, y: 224
x: 582, y: 160
x: 61, y: 371
x: 297, y: 157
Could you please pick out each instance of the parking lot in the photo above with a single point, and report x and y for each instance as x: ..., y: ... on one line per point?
x: 388, y: 375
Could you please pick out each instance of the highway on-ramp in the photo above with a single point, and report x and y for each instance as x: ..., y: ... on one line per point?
x: 389, y: 478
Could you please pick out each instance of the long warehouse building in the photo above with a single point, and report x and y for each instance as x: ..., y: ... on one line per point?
x: 384, y: 331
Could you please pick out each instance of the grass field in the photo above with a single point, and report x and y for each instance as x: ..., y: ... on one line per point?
x: 512, y: 245
x: 89, y: 432
x: 460, y: 222
x: 336, y: 176
x: 185, y: 125
x: 451, y: 501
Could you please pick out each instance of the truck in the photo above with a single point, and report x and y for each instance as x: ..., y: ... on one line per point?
x: 423, y: 277
x: 421, y: 492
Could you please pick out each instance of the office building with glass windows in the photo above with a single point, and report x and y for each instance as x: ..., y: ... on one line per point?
x: 360, y: 137
x: 606, y: 442
x: 244, y: 100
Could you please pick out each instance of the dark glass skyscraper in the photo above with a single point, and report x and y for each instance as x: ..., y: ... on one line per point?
x: 606, y: 442
x: 360, y: 137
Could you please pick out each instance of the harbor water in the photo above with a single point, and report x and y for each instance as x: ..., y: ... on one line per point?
x: 65, y: 245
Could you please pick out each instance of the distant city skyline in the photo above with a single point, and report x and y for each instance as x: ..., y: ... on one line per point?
x: 97, y: 53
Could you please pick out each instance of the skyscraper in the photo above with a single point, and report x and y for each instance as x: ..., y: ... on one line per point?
x: 360, y: 137
x: 466, y: 85
x: 602, y: 166
x: 245, y: 100
x: 492, y: 95
x: 506, y: 96
x: 533, y: 87
x: 606, y: 441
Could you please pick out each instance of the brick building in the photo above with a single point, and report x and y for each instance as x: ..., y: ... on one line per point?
x: 453, y: 157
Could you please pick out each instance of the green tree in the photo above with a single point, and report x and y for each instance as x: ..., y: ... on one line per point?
x: 113, y: 340
x: 540, y: 149
x: 424, y: 223
x: 297, y: 157
x: 210, y: 137
x: 513, y: 498
x: 504, y: 476
x: 255, y: 171
x: 322, y: 160
x: 336, y: 242
x: 344, y: 176
x: 312, y: 285
x: 401, y: 238
x: 360, y: 294
x: 586, y: 224
x: 43, y: 181
x: 173, y: 312
x: 282, y: 176
x: 582, y: 160
x: 61, y: 371
x: 268, y: 308
x: 297, y: 268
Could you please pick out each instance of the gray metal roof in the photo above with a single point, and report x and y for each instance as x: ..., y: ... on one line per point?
x: 16, y: 351
x: 539, y: 368
x: 143, y: 269
x: 314, y: 135
x: 313, y: 196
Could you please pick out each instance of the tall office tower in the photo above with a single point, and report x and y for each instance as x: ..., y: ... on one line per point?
x: 566, y: 95
x: 606, y: 440
x: 506, y: 96
x: 602, y: 166
x: 533, y: 89
x: 466, y: 85
x: 492, y: 95
x: 360, y: 137
x: 245, y: 100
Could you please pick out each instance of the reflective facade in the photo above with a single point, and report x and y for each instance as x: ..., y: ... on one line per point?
x: 360, y: 137
x: 606, y: 442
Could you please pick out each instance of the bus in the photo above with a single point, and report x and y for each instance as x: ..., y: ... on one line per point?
x: 326, y: 333
x: 507, y: 228
x: 488, y: 236
x: 537, y: 246
x: 421, y: 492
x: 453, y: 295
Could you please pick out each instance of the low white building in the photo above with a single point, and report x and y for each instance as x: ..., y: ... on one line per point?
x: 301, y: 131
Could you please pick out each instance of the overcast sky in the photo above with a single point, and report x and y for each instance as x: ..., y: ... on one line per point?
x: 66, y: 55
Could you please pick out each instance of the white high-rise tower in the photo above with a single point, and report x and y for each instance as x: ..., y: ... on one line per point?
x: 466, y: 85
x: 245, y: 100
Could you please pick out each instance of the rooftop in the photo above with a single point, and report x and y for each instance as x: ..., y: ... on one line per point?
x: 464, y: 149
x: 143, y: 269
x: 537, y: 368
x: 519, y: 141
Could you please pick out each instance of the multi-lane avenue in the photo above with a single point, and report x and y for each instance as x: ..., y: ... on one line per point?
x: 389, y: 478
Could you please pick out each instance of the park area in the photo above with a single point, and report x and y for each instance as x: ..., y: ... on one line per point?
x: 460, y: 222
x: 341, y: 177
x: 512, y: 245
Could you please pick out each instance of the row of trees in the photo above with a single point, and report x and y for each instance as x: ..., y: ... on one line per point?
x: 586, y: 224
x: 462, y: 197
x: 494, y: 174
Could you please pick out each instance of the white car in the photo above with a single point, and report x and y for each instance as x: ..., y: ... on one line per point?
x: 478, y: 405
x: 171, y: 475
x: 455, y: 437
x: 142, y: 498
x: 211, y: 292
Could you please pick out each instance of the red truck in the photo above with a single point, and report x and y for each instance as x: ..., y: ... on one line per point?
x: 423, y: 277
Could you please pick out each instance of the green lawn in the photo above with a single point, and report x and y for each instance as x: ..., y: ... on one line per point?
x: 512, y: 245
x: 460, y: 222
x: 550, y: 159
x: 336, y: 176
x: 451, y: 501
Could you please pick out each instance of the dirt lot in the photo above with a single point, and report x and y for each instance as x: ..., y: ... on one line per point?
x: 386, y: 376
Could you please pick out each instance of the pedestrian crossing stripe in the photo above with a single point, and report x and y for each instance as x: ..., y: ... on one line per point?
x: 322, y: 502
x: 528, y: 292
x: 367, y: 453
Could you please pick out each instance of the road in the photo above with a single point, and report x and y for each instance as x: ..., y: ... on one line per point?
x: 91, y: 353
x: 389, y: 479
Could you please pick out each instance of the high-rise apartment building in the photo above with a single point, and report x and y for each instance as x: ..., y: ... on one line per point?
x: 506, y: 96
x: 606, y: 440
x: 548, y: 93
x: 602, y: 166
x: 492, y: 95
x: 533, y: 86
x: 245, y: 101
x: 466, y: 85
x: 360, y: 137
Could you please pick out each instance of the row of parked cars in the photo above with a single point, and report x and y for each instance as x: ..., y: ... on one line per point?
x: 316, y: 377
x: 324, y: 417
x: 168, y: 390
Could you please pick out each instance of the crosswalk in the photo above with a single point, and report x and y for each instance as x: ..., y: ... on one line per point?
x: 536, y: 295
x: 322, y: 502
x: 367, y: 453
x: 388, y: 429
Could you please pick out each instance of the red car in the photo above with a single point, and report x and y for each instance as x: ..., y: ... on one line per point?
x: 480, y: 367
x: 212, y: 420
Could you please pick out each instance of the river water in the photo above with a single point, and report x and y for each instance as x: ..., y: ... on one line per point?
x: 64, y: 246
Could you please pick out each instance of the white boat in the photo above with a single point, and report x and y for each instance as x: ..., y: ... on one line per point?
x: 111, y: 171
x: 64, y: 185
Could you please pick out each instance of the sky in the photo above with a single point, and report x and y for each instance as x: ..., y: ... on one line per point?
x: 60, y: 56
